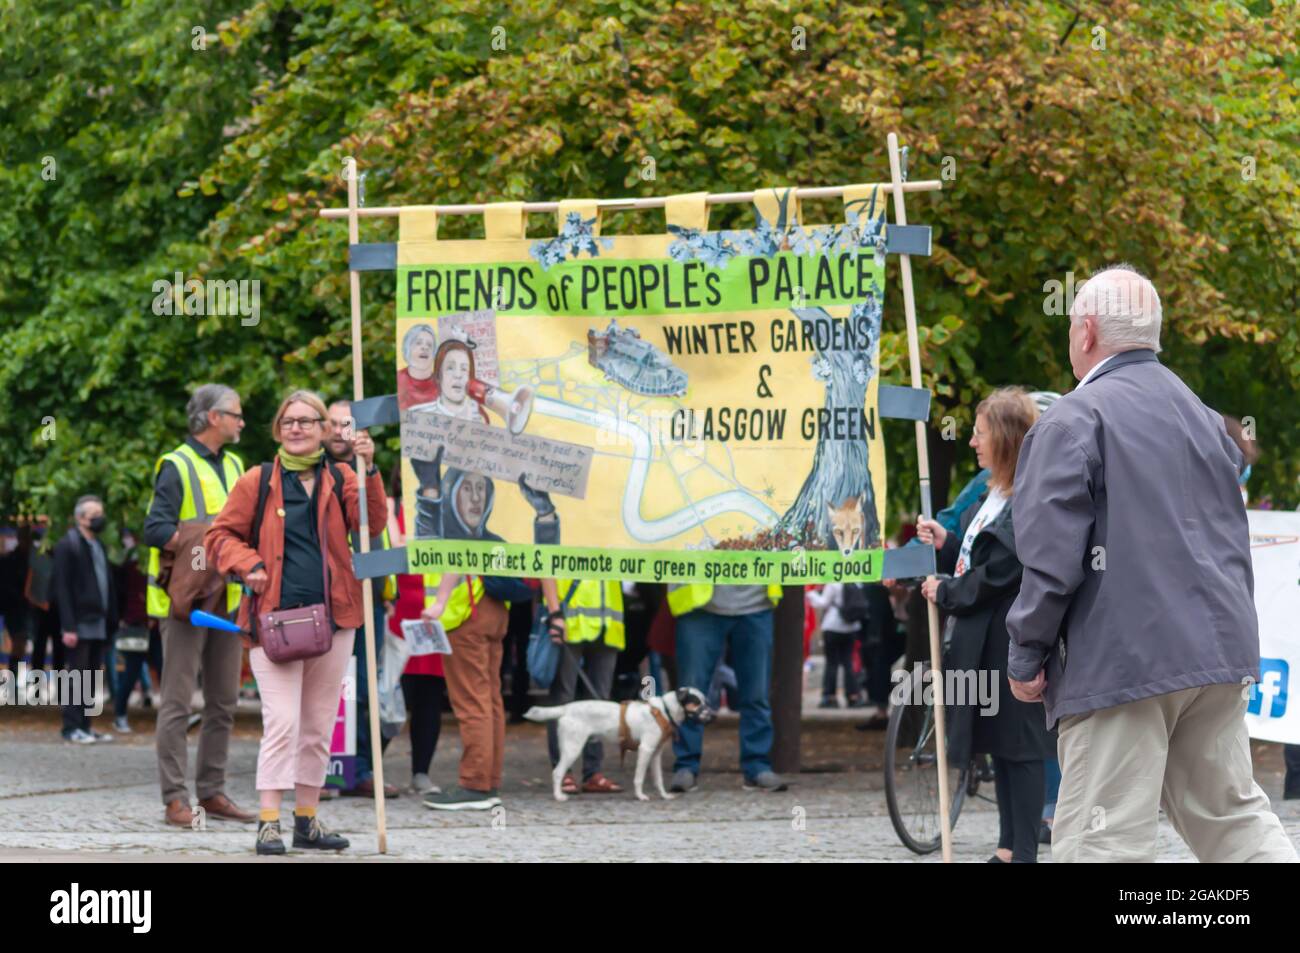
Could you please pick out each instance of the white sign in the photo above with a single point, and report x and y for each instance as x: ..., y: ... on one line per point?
x: 425, y: 638
x: 1273, y: 712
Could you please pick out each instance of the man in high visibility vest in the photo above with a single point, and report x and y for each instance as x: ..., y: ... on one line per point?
x: 338, y: 444
x: 191, y: 483
x: 593, y: 615
x: 709, y: 619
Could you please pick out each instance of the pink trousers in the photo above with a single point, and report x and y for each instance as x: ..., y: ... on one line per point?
x: 300, y: 701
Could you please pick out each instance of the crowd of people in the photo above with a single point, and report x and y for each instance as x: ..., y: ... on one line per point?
x: 1059, y: 479
x: 248, y: 544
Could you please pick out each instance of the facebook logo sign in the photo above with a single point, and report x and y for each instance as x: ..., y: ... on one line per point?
x: 1269, y: 696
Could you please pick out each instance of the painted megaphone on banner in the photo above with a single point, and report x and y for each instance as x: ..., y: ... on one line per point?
x: 514, y: 408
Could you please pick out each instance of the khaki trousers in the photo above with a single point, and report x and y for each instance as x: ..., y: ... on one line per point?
x: 1187, y: 752
x: 474, y: 686
x: 187, y: 651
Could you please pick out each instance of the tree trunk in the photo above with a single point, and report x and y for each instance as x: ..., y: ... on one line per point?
x: 840, y: 470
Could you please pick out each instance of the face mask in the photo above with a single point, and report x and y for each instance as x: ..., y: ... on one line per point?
x: 97, y: 524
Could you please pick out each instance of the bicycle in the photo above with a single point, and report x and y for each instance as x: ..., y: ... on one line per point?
x: 912, y: 777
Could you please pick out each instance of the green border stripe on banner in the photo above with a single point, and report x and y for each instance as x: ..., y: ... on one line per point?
x: 717, y: 566
x: 629, y: 286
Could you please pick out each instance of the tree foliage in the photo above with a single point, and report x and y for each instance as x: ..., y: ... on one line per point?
x: 1069, y: 135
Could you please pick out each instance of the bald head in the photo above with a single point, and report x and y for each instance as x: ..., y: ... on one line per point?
x: 1117, y: 309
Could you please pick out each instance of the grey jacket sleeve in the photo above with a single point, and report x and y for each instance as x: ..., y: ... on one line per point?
x: 1053, y: 514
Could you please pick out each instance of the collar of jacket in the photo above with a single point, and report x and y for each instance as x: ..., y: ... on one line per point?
x: 1140, y: 355
x: 202, y: 450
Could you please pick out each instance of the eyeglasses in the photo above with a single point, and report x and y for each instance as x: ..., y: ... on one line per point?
x: 298, y: 423
x: 231, y: 413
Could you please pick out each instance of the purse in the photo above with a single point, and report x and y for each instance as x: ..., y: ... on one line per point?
x: 289, y: 635
x: 132, y: 638
x: 543, y: 655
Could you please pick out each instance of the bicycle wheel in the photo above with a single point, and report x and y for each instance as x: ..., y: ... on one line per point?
x: 912, y: 779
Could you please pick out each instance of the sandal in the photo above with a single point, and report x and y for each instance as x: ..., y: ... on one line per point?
x: 599, y: 784
x: 569, y: 786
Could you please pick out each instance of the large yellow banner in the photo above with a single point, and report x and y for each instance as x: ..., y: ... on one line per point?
x: 694, y: 406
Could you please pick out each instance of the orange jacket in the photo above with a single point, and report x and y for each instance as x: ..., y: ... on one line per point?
x: 228, y: 544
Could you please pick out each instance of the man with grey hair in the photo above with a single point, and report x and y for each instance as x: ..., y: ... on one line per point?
x: 1135, y: 624
x: 191, y: 484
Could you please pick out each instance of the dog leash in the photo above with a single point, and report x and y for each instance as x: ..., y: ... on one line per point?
x: 585, y: 680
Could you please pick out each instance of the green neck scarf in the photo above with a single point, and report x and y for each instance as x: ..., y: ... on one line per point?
x: 291, y: 461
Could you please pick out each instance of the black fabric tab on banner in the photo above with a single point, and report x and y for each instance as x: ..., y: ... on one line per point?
x: 376, y: 412
x: 380, y: 562
x: 904, y: 403
x: 907, y: 239
x: 908, y: 562
x: 377, y: 256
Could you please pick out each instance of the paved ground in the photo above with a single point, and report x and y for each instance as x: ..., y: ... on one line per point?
x: 101, y: 803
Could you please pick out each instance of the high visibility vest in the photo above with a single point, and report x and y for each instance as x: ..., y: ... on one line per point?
x: 390, y: 582
x: 461, y: 602
x: 202, y: 497
x: 693, y: 595
x: 595, y: 610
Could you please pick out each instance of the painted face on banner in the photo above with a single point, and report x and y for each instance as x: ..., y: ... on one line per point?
x: 455, y: 377
x: 471, y: 497
x: 420, y: 365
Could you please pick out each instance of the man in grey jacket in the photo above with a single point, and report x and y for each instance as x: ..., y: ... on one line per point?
x: 1135, y: 624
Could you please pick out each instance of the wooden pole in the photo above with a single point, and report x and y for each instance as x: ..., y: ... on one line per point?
x: 923, y: 466
x: 615, y: 205
x: 367, y: 591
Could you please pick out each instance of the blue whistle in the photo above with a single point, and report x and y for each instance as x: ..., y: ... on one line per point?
x: 206, y: 620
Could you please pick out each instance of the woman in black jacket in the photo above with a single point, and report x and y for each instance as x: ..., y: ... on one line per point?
x: 985, y: 580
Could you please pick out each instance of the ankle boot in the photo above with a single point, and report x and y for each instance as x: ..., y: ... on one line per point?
x: 309, y: 833
x: 269, y: 841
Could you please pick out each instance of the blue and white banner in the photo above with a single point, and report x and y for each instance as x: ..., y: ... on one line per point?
x: 1273, y: 714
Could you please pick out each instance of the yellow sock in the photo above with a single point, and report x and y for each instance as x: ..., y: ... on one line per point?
x: 304, y: 812
x: 270, y: 814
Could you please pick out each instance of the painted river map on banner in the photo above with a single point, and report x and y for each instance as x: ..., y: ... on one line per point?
x: 693, y: 406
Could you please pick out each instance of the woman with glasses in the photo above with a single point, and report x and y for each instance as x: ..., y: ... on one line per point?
x: 311, y: 505
x: 981, y: 556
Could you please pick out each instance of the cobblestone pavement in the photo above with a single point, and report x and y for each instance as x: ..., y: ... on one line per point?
x: 101, y: 802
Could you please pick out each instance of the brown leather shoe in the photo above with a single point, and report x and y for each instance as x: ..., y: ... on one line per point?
x: 366, y: 788
x: 221, y: 806
x: 179, y: 814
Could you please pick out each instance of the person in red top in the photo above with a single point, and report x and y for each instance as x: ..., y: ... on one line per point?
x: 423, y: 684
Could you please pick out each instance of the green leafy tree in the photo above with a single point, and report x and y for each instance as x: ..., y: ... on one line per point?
x: 1068, y: 135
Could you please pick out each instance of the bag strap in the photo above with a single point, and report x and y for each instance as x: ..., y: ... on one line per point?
x: 324, y: 547
x: 263, y: 488
x: 337, y: 475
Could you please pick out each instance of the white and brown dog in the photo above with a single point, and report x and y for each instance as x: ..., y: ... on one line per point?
x: 645, y: 727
